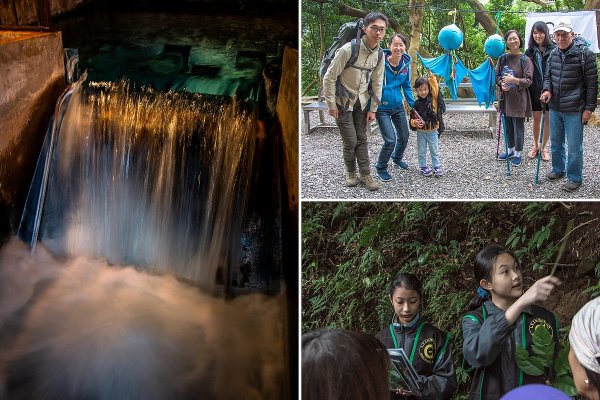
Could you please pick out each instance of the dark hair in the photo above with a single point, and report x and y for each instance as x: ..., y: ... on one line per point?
x: 408, y: 281
x: 420, y: 82
x: 399, y: 36
x: 507, y: 34
x: 539, y: 26
x: 339, y: 364
x: 373, y: 16
x: 484, y: 267
x: 594, y: 378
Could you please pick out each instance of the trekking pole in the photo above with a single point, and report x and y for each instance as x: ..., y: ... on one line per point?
x: 539, y: 155
x: 505, y: 136
x: 499, y: 124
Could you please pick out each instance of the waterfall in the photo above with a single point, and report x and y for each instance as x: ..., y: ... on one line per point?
x: 159, y: 180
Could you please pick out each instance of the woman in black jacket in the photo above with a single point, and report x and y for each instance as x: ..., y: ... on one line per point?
x: 538, y: 50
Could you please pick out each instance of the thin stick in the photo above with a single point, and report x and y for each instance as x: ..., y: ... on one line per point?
x: 563, y: 245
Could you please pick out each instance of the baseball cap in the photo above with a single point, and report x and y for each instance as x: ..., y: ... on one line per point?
x: 563, y: 24
x: 535, y: 392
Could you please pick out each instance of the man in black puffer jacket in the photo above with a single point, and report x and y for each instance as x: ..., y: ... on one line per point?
x: 570, y: 88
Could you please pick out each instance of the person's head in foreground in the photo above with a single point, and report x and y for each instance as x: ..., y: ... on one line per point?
x: 584, y: 356
x: 535, y: 392
x: 344, y: 365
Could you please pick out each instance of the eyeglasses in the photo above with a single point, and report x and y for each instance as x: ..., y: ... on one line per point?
x: 377, y: 29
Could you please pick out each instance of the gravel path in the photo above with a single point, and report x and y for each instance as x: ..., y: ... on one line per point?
x: 468, y: 158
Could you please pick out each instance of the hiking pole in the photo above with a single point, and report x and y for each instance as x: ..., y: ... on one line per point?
x: 499, y: 123
x: 505, y: 136
x: 539, y: 155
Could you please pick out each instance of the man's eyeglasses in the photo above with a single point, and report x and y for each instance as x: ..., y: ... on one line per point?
x: 377, y: 29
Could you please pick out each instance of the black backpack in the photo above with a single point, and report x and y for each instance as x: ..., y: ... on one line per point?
x: 348, y: 32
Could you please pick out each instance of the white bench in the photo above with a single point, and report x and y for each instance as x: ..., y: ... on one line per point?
x: 458, y: 106
x: 321, y: 107
x: 468, y: 106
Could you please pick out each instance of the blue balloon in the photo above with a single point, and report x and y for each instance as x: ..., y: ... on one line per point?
x: 450, y: 37
x: 494, y: 46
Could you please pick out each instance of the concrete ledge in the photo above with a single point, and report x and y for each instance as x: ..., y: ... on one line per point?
x: 31, y: 81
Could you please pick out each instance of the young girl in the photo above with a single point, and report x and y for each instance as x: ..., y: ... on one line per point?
x: 426, y: 121
x: 513, y: 74
x: 428, y: 348
x: 391, y: 116
x: 502, y: 317
x: 538, y: 50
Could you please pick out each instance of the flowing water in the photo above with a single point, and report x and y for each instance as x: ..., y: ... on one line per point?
x: 148, y: 178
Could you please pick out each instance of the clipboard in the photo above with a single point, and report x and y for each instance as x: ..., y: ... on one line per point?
x: 402, y: 373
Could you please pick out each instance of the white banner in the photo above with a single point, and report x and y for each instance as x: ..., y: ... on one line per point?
x: 584, y: 24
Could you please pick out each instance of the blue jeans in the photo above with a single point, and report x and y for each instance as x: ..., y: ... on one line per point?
x: 394, y: 131
x: 566, y: 129
x: 430, y: 138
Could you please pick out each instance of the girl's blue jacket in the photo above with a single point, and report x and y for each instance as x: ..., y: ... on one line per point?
x: 395, y: 82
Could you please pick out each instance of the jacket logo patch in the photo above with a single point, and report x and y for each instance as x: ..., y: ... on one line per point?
x: 404, y: 70
x: 540, y: 321
x: 427, y: 350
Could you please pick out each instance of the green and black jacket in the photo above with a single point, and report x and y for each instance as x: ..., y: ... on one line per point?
x: 430, y: 352
x: 489, y: 348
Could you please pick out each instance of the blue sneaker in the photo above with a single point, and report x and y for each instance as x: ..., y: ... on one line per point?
x: 503, y: 156
x: 516, y: 161
x: 400, y: 164
x: 438, y: 171
x: 426, y: 171
x: 383, y: 175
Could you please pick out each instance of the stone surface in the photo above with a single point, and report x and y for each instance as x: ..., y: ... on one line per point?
x: 31, y: 81
x: 287, y: 113
x: 25, y: 11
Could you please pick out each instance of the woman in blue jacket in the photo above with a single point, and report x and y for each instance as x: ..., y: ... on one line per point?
x: 390, y: 113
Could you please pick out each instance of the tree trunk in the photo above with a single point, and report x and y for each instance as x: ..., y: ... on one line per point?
x: 415, y: 21
x: 483, y: 17
x: 591, y: 4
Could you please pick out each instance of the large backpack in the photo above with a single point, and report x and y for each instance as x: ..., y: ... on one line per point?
x: 348, y: 32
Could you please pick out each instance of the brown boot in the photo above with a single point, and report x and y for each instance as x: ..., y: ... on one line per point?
x: 351, y: 179
x: 370, y: 183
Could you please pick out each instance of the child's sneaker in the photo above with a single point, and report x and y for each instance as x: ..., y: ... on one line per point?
x: 503, y: 156
x: 426, y: 171
x: 516, y: 161
x: 438, y: 171
x: 383, y: 175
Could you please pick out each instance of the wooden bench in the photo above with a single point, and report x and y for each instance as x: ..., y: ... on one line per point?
x: 321, y: 107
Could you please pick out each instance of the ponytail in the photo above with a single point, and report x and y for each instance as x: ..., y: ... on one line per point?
x: 479, y: 299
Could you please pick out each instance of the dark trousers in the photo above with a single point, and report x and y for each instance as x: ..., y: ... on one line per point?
x: 353, y: 129
x: 515, y: 132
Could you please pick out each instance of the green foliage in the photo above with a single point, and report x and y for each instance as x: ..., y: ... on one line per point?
x: 541, y: 361
x: 352, y: 250
x: 321, y: 21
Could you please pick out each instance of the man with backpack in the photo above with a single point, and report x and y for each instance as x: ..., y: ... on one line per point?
x: 352, y: 95
x: 570, y: 89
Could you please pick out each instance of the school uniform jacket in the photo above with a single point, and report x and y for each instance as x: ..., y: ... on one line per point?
x: 430, y: 352
x: 489, y: 347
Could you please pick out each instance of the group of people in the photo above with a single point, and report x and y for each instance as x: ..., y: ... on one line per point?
x: 339, y: 364
x: 562, y: 77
